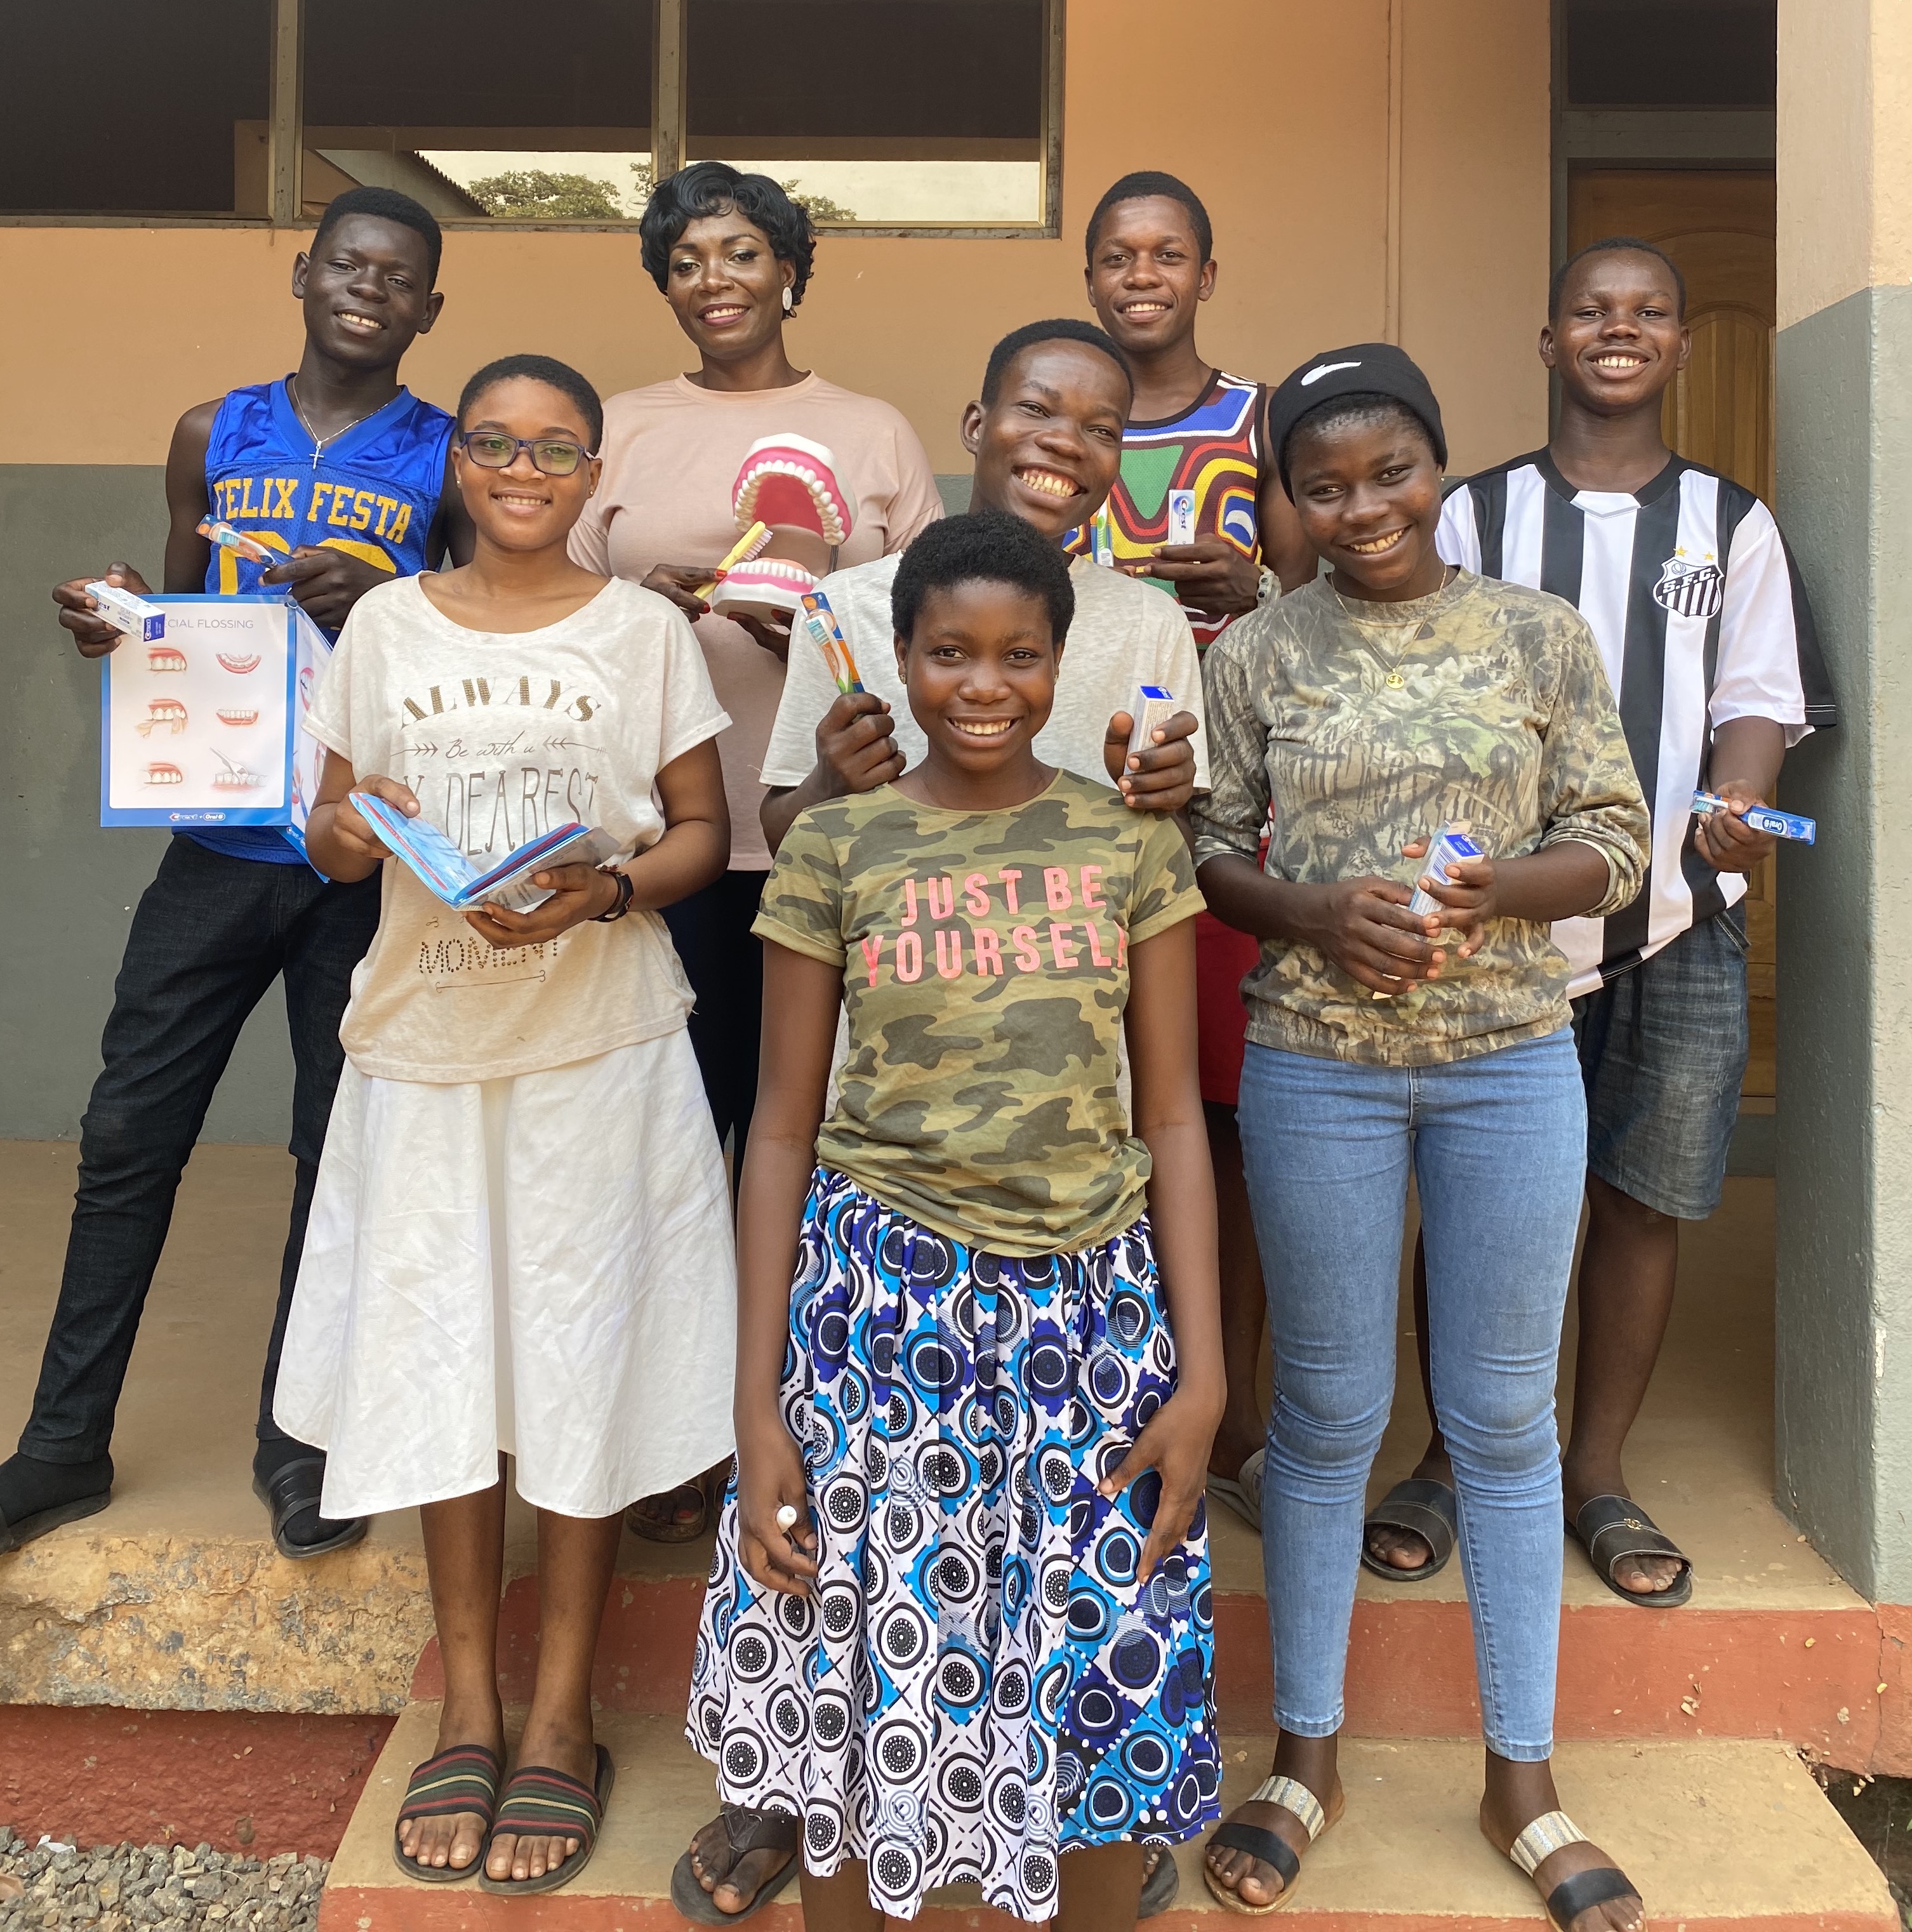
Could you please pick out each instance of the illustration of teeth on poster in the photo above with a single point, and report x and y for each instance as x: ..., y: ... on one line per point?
x: 202, y: 728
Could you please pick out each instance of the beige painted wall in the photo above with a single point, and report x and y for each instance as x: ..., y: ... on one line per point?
x: 1277, y: 111
x: 1844, y: 150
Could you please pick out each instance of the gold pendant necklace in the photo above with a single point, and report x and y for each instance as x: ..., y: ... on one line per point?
x: 1393, y: 680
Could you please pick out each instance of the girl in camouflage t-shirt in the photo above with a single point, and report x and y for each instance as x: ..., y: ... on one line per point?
x: 1364, y: 711
x: 960, y: 1622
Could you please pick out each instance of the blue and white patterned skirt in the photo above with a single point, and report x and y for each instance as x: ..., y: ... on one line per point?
x: 977, y: 1684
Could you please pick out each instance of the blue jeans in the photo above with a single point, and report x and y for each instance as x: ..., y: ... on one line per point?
x: 1498, y: 1147
x: 211, y: 933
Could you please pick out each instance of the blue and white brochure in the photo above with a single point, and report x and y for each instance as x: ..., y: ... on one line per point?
x: 448, y: 875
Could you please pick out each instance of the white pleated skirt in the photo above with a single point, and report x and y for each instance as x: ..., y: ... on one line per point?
x: 541, y: 1265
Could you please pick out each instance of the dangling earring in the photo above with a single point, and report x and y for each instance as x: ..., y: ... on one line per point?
x: 789, y: 302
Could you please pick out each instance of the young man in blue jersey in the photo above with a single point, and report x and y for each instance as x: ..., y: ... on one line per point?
x: 1708, y: 641
x: 343, y: 472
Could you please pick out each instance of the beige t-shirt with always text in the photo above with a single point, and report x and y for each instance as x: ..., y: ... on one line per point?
x: 502, y: 736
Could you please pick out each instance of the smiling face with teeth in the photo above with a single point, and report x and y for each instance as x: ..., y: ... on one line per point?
x: 1048, y: 446
x: 366, y: 293
x: 1617, y: 337
x: 980, y: 667
x: 1367, y: 491
x: 520, y: 508
x: 725, y: 283
x: 1146, y: 274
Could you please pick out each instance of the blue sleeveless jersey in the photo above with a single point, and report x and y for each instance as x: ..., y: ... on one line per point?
x: 372, y: 492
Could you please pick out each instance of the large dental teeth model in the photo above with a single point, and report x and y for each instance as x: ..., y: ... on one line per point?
x: 791, y: 483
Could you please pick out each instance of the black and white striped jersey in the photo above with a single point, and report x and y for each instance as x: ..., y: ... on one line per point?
x: 1700, y: 617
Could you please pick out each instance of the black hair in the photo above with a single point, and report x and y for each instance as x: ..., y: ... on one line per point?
x: 547, y: 369
x: 1361, y: 409
x: 1150, y: 185
x: 384, y: 204
x: 1063, y: 329
x: 984, y: 547
x: 711, y: 187
x: 1615, y: 245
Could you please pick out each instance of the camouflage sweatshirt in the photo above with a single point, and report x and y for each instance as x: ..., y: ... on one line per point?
x: 1365, y: 726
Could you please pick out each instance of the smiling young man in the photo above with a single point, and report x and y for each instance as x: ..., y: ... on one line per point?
x: 1199, y: 507
x: 346, y: 474
x: 1708, y: 642
x: 1046, y: 437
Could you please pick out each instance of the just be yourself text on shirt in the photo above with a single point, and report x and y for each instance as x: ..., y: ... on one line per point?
x: 1058, y: 944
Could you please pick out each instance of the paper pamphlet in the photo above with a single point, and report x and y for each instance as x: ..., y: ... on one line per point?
x: 448, y: 874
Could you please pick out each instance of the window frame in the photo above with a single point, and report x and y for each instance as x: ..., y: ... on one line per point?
x: 286, y: 129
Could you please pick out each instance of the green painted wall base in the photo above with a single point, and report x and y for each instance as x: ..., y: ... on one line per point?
x: 1845, y: 1318
x: 68, y: 886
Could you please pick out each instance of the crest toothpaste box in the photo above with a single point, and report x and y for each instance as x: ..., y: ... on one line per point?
x: 126, y: 613
x: 1762, y: 818
x: 1452, y: 846
x: 1153, y: 708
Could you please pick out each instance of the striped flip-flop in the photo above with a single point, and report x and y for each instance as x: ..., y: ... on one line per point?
x: 542, y: 1803
x: 465, y: 1778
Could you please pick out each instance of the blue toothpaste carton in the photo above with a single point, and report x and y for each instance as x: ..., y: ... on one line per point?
x: 1451, y: 846
x: 1181, y: 516
x: 1154, y: 706
x: 130, y: 615
x: 1762, y: 818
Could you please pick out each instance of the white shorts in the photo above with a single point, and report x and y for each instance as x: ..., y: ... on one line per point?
x: 541, y: 1265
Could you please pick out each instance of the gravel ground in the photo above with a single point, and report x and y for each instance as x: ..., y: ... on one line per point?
x: 169, y: 1888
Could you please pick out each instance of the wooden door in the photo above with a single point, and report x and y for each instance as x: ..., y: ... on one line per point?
x: 1717, y: 223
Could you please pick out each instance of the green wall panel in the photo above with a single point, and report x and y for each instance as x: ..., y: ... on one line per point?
x: 68, y: 886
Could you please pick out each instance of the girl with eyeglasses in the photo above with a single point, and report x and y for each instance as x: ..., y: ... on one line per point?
x: 520, y: 1241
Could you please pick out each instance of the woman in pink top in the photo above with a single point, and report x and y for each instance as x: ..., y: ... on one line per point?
x: 732, y: 254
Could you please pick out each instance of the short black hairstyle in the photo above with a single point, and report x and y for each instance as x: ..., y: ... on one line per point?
x: 1365, y: 409
x: 1064, y: 328
x: 710, y: 188
x: 1615, y: 245
x: 547, y: 369
x: 384, y: 204
x: 984, y: 547
x: 1150, y: 185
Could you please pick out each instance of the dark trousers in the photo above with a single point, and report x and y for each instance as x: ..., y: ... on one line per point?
x: 725, y: 961
x: 210, y: 934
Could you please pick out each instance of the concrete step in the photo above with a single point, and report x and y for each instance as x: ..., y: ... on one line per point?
x: 1717, y: 1835
x: 173, y: 1599
x: 1794, y: 1656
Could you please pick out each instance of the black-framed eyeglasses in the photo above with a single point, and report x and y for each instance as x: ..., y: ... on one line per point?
x: 492, y: 449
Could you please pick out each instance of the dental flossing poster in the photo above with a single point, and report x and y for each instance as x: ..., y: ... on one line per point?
x: 202, y: 726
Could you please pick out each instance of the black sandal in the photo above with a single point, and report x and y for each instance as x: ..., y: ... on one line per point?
x: 465, y: 1778
x: 13, y: 1535
x: 1610, y: 1529
x: 745, y: 1831
x: 292, y: 1490
x: 542, y: 1803
x: 1270, y: 1847
x: 1424, y: 1507
x: 1600, y: 1885
x: 1159, y: 1887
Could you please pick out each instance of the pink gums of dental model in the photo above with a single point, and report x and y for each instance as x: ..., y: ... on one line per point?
x: 791, y: 483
